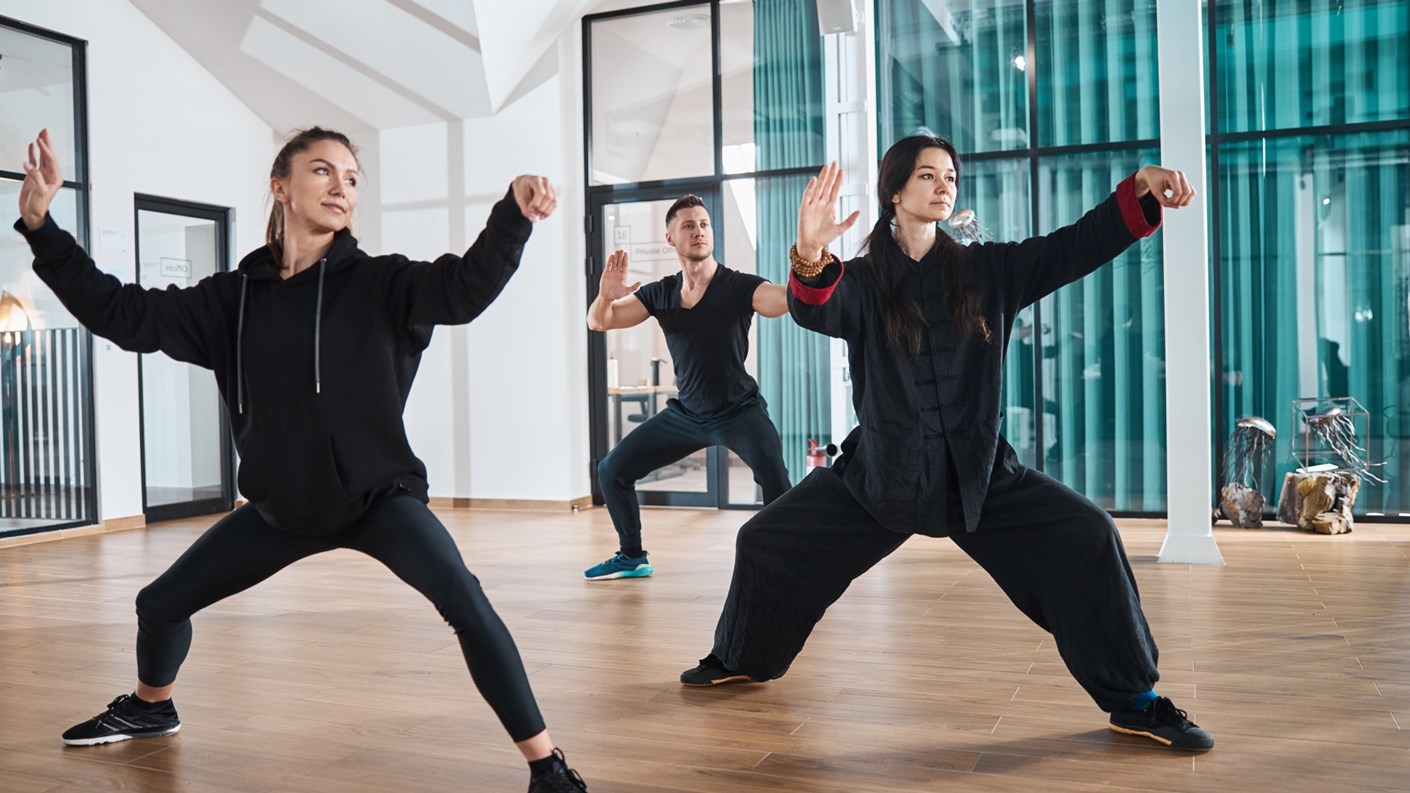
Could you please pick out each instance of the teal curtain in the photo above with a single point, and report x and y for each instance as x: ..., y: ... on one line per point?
x: 794, y: 364
x: 1314, y: 267
x: 1096, y: 71
x: 1289, y: 65
x: 1103, y: 359
x: 1314, y: 229
x: 964, y: 80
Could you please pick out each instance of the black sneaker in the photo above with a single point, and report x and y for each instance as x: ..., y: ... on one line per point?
x: 561, y: 779
x: 711, y: 672
x: 125, y: 719
x: 1164, y: 723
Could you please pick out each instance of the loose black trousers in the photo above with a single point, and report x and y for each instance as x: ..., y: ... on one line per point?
x: 1055, y: 554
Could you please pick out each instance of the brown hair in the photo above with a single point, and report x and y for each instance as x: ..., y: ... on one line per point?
x: 283, y: 164
x: 684, y: 202
x: 904, y: 320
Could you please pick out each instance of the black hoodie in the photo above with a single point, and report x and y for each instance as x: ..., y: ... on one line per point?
x: 314, y: 369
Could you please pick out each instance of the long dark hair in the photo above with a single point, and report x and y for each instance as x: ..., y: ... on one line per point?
x: 283, y: 164
x: 904, y: 320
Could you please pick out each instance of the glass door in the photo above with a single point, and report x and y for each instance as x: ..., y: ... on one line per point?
x: 632, y: 371
x: 186, y: 449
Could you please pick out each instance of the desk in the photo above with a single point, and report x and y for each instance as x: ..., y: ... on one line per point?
x: 644, y: 395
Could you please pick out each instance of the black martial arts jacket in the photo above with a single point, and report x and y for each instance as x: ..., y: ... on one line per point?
x: 920, y: 415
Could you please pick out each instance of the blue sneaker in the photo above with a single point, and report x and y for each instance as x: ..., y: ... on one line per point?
x: 620, y: 566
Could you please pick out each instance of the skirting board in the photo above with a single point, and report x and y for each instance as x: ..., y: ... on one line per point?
x: 523, y: 505
x: 106, y: 527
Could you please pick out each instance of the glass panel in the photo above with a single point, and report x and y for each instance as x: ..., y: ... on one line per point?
x: 652, y: 96
x: 181, y: 432
x: 998, y: 192
x: 16, y: 272
x: 1314, y: 279
x: 771, y: 86
x: 640, y: 373
x: 1103, y: 369
x: 45, y: 437
x: 36, y: 93
x: 737, y: 228
x: 1316, y: 62
x: 791, y: 364
x: 957, y: 69
x: 1096, y: 72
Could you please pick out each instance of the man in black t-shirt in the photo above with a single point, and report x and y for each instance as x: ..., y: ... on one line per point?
x: 705, y: 311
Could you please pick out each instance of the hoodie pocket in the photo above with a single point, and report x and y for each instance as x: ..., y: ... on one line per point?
x: 293, y: 481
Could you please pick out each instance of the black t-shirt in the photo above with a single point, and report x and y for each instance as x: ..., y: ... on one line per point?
x: 708, y: 341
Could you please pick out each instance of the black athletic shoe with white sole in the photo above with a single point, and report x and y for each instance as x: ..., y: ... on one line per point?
x: 126, y: 717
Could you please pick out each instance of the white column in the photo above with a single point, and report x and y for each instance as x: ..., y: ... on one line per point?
x: 849, y: 65
x: 1185, y: 237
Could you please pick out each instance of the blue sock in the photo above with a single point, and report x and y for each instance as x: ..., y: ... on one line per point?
x: 1142, y: 701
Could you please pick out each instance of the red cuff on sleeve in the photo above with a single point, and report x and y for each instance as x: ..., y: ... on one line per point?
x: 1131, y: 210
x: 812, y: 295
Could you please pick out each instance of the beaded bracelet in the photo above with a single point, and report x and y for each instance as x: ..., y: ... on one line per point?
x: 807, y: 268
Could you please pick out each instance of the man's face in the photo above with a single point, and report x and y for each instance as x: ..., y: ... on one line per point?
x: 691, y: 234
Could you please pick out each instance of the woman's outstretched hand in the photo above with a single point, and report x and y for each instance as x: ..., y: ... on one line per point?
x: 42, y: 181
x: 1170, y: 188
x: 535, y: 196
x: 817, y: 214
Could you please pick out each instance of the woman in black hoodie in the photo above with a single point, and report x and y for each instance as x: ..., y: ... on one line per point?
x: 927, y: 323
x: 314, y: 345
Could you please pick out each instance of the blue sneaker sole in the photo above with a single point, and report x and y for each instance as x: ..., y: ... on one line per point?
x: 640, y: 572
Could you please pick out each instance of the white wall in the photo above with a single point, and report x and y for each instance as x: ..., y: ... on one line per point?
x: 160, y: 124
x: 499, y: 410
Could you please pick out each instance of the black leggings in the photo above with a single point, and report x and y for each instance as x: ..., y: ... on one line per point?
x: 671, y: 435
x: 242, y: 550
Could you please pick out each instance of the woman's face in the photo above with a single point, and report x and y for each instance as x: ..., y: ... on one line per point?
x: 320, y: 192
x: 929, y: 194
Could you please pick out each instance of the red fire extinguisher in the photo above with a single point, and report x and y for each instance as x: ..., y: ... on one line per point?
x: 817, y: 456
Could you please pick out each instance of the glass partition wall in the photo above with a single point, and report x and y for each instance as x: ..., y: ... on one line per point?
x: 723, y: 100
x: 1052, y: 103
x: 46, y: 408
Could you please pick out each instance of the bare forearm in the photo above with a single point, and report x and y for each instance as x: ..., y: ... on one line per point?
x: 599, y: 316
x: 808, y: 250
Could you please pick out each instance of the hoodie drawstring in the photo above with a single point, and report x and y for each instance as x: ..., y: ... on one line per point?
x: 318, y: 328
x: 240, y: 348
x: 240, y: 340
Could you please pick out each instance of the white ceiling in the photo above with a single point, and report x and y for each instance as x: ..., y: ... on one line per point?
x: 361, y: 65
x: 371, y: 64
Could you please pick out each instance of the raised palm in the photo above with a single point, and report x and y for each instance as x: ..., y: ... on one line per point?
x: 42, y: 181
x: 614, y: 278
x: 817, y: 213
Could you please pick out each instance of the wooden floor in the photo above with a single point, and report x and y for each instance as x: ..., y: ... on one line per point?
x: 333, y: 676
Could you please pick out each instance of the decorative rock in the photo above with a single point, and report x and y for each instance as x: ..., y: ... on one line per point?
x: 1319, y: 501
x: 1242, y: 505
